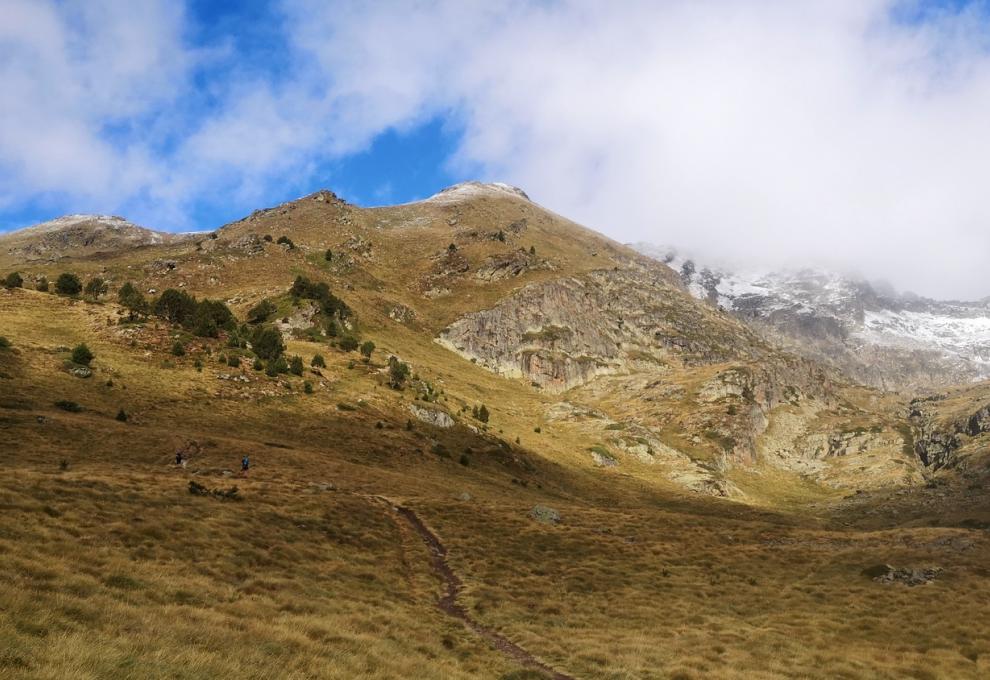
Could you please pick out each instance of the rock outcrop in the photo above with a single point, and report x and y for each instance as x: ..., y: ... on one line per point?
x: 565, y: 332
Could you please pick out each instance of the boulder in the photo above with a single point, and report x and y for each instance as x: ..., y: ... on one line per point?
x: 434, y: 417
x: 909, y: 576
x: 545, y: 515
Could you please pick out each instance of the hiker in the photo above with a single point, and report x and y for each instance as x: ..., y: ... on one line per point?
x: 178, y: 458
x: 245, y: 464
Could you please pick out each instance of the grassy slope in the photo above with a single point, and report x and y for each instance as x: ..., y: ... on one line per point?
x: 115, y: 570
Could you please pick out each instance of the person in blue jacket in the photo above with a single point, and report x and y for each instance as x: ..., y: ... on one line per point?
x: 245, y: 464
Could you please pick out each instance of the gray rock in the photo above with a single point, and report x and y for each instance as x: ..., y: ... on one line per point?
x: 545, y: 515
x: 434, y: 417
x: 603, y: 459
x: 910, y: 576
x: 81, y: 372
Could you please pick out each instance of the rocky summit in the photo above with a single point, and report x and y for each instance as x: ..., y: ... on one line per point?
x: 466, y: 437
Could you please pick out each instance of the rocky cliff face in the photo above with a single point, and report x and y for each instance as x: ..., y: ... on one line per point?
x: 877, y: 337
x: 565, y: 332
x: 944, y: 433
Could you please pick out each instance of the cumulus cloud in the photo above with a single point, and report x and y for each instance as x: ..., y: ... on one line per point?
x: 849, y: 133
x: 77, y: 78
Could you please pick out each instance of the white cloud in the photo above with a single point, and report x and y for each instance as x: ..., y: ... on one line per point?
x: 777, y: 130
x: 771, y: 130
x: 69, y: 73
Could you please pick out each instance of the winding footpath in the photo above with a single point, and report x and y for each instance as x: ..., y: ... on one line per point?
x: 452, y: 587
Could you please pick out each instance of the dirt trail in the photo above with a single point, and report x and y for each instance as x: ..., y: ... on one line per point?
x: 452, y: 588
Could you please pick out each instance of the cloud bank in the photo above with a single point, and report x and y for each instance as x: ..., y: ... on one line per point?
x: 846, y: 133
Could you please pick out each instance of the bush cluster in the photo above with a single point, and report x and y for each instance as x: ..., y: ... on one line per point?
x: 68, y: 284
x: 132, y: 299
x: 330, y: 304
x: 82, y: 355
x: 261, y: 312
x: 204, y: 317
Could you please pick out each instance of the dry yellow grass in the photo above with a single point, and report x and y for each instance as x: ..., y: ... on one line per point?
x: 110, y: 568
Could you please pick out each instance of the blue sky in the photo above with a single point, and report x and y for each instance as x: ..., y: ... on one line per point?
x: 247, y: 40
x: 847, y: 133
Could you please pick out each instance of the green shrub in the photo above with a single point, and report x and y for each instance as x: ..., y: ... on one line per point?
x: 13, y: 280
x: 175, y: 306
x: 398, y: 372
x: 367, y: 347
x: 131, y: 299
x: 348, y: 343
x: 257, y: 365
x: 465, y: 461
x: 122, y: 416
x: 81, y: 355
x: 281, y: 366
x: 330, y: 304
x: 285, y: 240
x: 4, y: 343
x: 318, y: 361
x: 42, y: 285
x: 271, y: 370
x: 198, y: 365
x: 308, y: 387
x: 266, y: 342
x: 178, y: 349
x: 346, y: 407
x: 204, y: 318
x: 68, y: 284
x: 261, y: 312
x: 95, y: 287
x: 233, y: 361
x: 67, y: 405
x: 483, y: 413
x: 296, y: 365
x: 328, y: 256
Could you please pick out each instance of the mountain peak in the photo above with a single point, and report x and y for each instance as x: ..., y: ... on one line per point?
x: 77, y: 219
x: 473, y: 189
x: 79, y: 235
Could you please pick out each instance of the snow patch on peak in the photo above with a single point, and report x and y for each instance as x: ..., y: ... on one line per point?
x: 473, y: 189
x: 69, y: 221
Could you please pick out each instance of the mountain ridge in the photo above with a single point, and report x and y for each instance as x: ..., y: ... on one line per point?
x: 879, y: 337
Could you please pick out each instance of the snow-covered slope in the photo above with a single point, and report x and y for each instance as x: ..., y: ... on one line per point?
x: 468, y: 190
x: 873, y: 333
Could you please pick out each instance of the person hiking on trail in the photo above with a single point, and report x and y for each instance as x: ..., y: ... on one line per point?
x: 245, y: 464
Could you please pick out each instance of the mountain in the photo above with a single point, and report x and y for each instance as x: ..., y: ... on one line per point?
x: 497, y: 444
x: 79, y: 236
x: 870, y: 332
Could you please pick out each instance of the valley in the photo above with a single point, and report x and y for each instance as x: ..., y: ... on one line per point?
x: 585, y: 469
